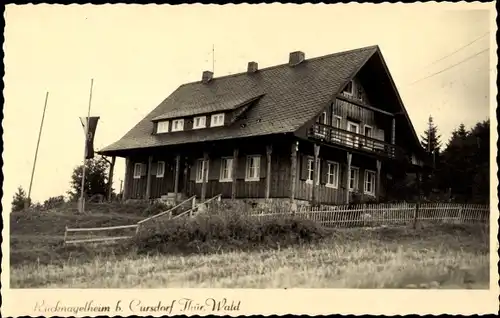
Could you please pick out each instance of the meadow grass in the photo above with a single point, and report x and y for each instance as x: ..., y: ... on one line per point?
x: 442, y: 256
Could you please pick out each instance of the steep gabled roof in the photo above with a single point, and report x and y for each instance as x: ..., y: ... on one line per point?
x: 290, y: 96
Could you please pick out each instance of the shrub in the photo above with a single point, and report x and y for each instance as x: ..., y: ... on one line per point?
x: 54, y: 202
x: 206, y: 233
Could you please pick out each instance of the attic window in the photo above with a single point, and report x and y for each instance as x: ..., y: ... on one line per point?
x: 348, y: 89
x: 217, y: 120
x: 199, y: 122
x: 178, y: 125
x: 162, y: 127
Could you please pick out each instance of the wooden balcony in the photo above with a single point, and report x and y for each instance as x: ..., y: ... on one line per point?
x: 341, y: 137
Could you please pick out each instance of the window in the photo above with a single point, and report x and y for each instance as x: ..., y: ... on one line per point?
x: 332, y: 175
x: 178, y: 125
x: 199, y: 122
x: 370, y: 182
x: 160, y: 169
x: 201, y: 171
x: 352, y: 140
x: 226, y: 170
x: 217, y: 120
x: 322, y: 119
x: 253, y: 168
x: 336, y: 122
x: 137, y: 170
x: 162, y: 127
x: 368, y: 132
x: 348, y: 89
x: 310, y: 171
x: 353, y: 182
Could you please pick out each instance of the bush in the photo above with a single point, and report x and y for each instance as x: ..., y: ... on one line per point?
x: 54, y: 202
x: 205, y: 233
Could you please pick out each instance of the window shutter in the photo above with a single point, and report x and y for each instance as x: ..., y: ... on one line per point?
x: 324, y: 172
x: 214, y: 166
x: 241, y: 167
x: 342, y: 176
x: 263, y: 166
x: 192, y: 170
x: 154, y: 168
x: 303, y: 167
x: 144, y: 169
x: 380, y: 134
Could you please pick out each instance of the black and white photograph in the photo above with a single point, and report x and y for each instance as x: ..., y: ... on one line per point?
x: 250, y: 159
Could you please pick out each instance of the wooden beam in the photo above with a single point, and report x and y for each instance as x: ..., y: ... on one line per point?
x: 293, y: 171
x: 316, y: 175
x: 185, y: 176
x: 205, y: 177
x: 110, y: 177
x: 234, y: 168
x: 377, y: 189
x: 363, y: 105
x: 148, y: 178
x: 349, y: 159
x: 269, y: 151
x: 177, y: 173
x: 127, y: 179
x: 393, y: 132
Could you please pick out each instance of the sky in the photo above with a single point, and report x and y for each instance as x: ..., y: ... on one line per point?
x: 138, y: 55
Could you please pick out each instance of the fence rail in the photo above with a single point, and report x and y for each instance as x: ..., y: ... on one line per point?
x: 329, y: 216
x: 386, y: 214
x: 169, y: 210
x: 193, y: 208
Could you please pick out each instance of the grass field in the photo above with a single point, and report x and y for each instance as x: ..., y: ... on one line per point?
x: 438, y: 256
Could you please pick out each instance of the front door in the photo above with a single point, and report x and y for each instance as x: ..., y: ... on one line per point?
x: 352, y: 140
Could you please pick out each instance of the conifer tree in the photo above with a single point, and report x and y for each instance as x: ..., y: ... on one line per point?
x: 431, y: 138
x: 19, y: 199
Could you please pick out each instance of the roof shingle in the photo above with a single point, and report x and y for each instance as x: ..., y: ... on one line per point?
x: 291, y: 97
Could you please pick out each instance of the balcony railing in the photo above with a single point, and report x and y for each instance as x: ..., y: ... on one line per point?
x: 349, y: 139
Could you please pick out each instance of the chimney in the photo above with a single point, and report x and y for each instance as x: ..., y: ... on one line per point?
x: 296, y: 58
x: 252, y: 67
x: 207, y: 76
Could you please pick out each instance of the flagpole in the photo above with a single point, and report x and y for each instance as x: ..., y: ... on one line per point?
x: 82, y: 199
x: 27, y: 203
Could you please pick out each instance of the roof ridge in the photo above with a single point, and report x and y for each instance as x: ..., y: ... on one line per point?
x: 284, y: 64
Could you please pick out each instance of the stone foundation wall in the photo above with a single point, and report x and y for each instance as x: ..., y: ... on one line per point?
x: 262, y: 205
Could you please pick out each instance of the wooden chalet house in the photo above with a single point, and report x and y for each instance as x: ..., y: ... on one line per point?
x: 316, y: 130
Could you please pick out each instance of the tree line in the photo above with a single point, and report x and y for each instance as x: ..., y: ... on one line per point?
x: 96, y: 187
x: 461, y: 171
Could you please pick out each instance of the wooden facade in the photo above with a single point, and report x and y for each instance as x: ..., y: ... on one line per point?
x: 344, y: 154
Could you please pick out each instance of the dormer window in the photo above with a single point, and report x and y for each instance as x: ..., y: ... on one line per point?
x: 199, y: 122
x: 217, y: 120
x: 349, y: 89
x: 178, y: 125
x: 162, y: 127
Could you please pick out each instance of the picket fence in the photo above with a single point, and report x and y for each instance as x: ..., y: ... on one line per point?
x: 386, y: 214
x: 328, y: 216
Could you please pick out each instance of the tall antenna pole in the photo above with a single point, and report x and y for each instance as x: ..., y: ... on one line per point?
x: 82, y: 199
x: 213, y: 58
x: 36, y: 151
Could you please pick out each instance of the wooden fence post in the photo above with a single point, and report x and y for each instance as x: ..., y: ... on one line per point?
x: 65, y: 234
x: 417, y: 207
x: 415, y: 218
